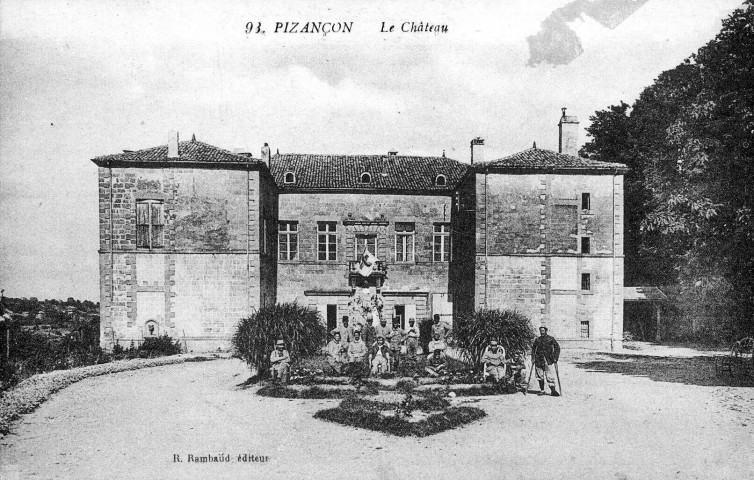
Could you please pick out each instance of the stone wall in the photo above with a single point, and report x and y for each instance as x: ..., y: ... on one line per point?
x: 361, y: 214
x: 208, y: 272
x: 529, y: 235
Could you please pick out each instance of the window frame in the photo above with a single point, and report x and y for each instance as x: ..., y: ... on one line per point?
x: 358, y: 250
x: 328, y: 230
x: 586, y: 246
x: 445, y: 241
x: 444, y: 180
x: 586, y: 280
x: 293, y: 177
x: 367, y: 175
x: 588, y: 330
x: 288, y: 237
x: 404, y: 235
x: 586, y: 201
x: 154, y: 231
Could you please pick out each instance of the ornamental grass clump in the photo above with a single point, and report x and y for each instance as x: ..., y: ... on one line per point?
x: 300, y: 327
x: 512, y: 329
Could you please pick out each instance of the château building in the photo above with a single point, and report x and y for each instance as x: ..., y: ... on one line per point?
x: 194, y: 237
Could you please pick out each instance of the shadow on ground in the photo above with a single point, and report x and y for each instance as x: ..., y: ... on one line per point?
x: 690, y: 371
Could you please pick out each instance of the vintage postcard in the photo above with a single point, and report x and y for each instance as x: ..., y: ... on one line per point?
x: 352, y: 239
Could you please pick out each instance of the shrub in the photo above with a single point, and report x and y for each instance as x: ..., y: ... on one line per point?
x: 300, y: 327
x: 159, y: 346
x: 512, y: 329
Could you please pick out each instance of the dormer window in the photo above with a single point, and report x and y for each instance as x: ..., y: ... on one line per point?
x: 366, y: 177
x: 290, y: 177
x: 440, y: 181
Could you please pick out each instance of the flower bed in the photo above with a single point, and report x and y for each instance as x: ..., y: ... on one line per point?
x: 372, y: 415
x: 314, y: 392
x: 32, y: 392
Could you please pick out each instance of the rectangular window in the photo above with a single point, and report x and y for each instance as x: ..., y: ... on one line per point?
x: 586, y: 202
x: 365, y: 242
x: 585, y: 329
x: 288, y: 240
x: 326, y: 241
x: 585, y: 247
x: 400, y: 315
x: 586, y: 281
x: 149, y: 224
x: 405, y: 234
x: 441, y: 243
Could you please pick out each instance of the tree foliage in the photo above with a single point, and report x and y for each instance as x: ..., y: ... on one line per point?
x: 300, y: 327
x: 689, y: 140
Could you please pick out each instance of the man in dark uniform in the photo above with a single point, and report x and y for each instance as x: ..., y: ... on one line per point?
x: 545, y: 353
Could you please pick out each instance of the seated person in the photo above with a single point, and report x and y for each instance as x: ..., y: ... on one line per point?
x: 436, y: 364
x: 380, y: 356
x: 517, y: 367
x: 437, y: 343
x: 494, y: 358
x: 281, y: 362
x: 337, y: 353
x: 357, y: 353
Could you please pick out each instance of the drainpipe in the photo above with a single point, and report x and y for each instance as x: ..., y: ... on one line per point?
x: 112, y: 255
x: 486, y: 233
x: 612, y: 280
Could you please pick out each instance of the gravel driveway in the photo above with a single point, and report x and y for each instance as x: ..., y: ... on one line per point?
x: 607, y: 425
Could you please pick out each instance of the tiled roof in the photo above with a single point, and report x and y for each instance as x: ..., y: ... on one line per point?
x: 388, y: 172
x: 643, y: 294
x: 547, y: 160
x: 190, y: 151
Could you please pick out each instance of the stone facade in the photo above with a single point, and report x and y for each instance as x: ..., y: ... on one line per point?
x: 194, y: 238
x: 551, y: 246
x: 208, y: 266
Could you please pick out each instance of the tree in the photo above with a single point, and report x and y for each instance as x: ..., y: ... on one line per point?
x: 689, y: 140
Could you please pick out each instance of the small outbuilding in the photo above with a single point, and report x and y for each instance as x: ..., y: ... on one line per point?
x: 643, y: 312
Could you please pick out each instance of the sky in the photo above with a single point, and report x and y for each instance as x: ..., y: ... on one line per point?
x: 79, y: 79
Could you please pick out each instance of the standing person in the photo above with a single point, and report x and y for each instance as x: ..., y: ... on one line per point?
x: 440, y: 327
x: 281, y: 363
x: 369, y: 333
x: 396, y: 338
x: 412, y: 338
x: 382, y: 330
x: 380, y: 356
x: 544, y: 354
x: 346, y: 332
x: 494, y: 360
x: 337, y: 353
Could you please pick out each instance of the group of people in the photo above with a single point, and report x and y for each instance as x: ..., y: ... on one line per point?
x: 378, y: 348
x: 353, y: 349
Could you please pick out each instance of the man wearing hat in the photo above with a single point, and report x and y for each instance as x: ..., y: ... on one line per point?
x: 440, y: 327
x: 382, y: 330
x: 412, y: 338
x: 281, y: 362
x: 494, y: 360
x: 545, y: 353
x: 336, y: 353
x: 346, y: 332
x: 380, y: 356
x: 395, y: 338
x: 368, y: 333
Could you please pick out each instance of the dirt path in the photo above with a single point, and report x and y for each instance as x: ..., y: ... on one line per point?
x: 608, y: 425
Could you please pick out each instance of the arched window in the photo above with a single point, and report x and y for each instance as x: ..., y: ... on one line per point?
x: 440, y: 180
x: 366, y: 177
x: 290, y: 177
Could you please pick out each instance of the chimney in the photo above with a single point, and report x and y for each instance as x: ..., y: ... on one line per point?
x: 569, y: 134
x: 477, y: 150
x: 266, y: 154
x: 173, y: 144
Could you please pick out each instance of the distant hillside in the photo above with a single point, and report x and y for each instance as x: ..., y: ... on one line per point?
x: 32, y: 311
